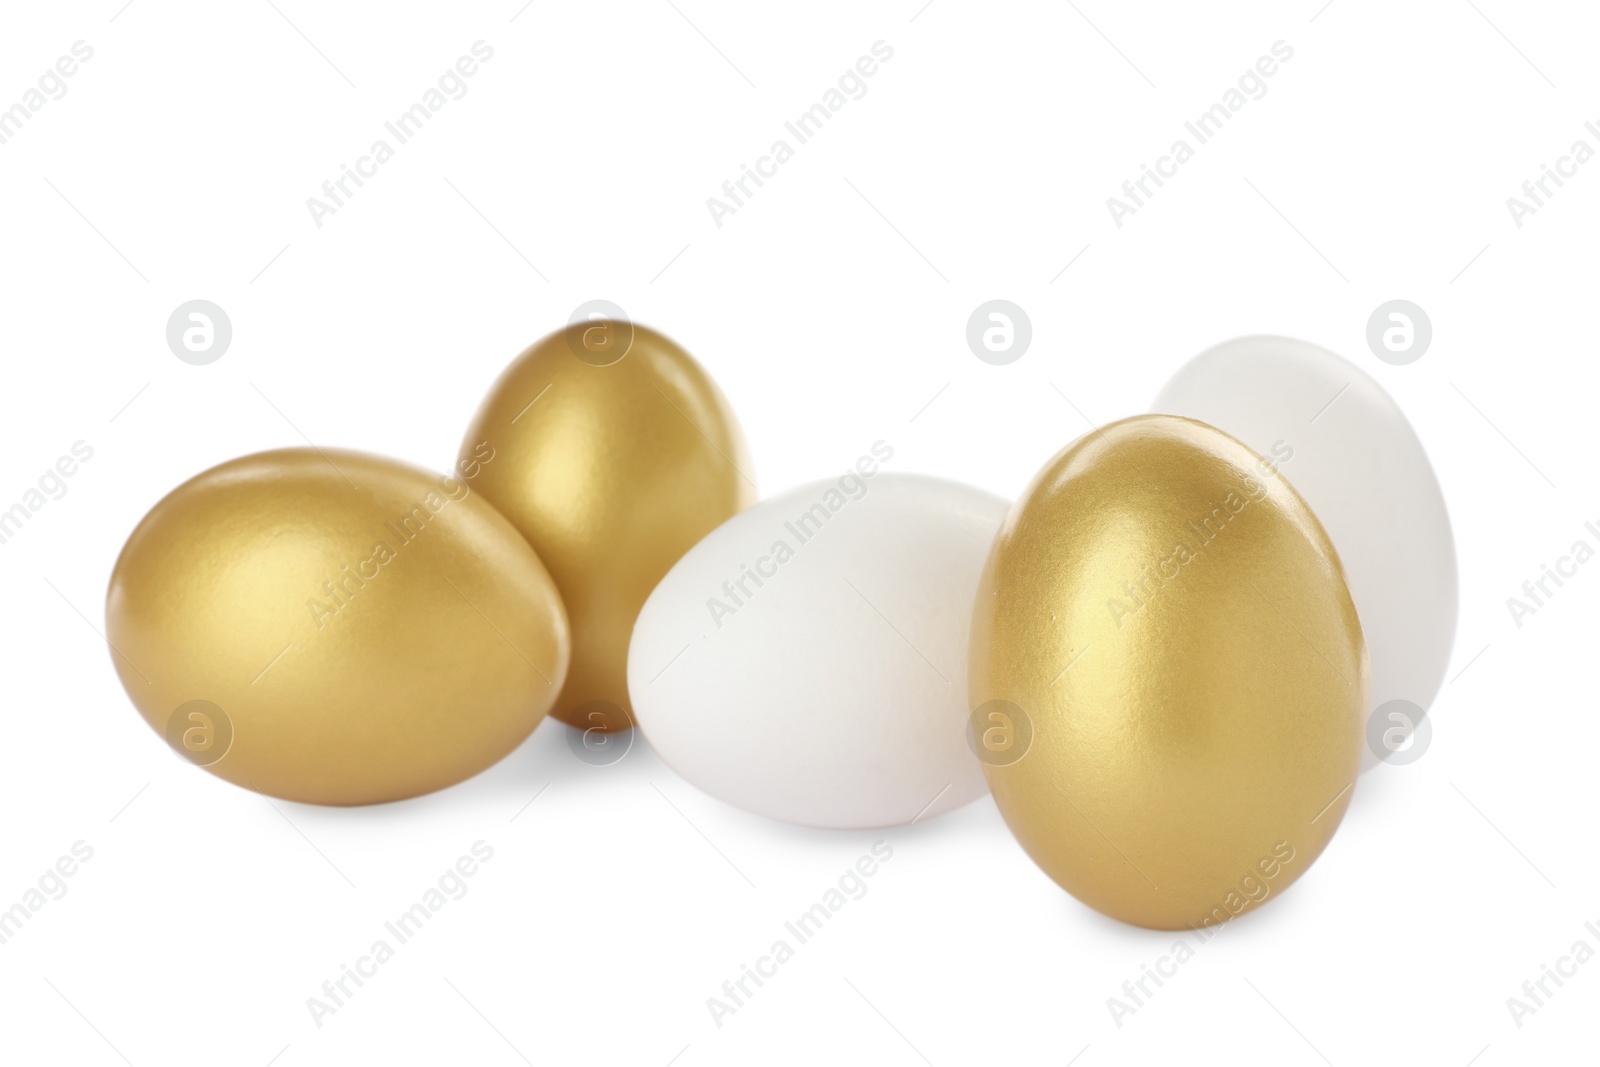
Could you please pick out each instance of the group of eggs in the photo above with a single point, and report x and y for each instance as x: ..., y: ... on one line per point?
x: 1161, y: 660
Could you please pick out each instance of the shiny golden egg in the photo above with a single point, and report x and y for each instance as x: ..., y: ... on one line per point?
x: 1167, y: 675
x: 615, y: 454
x: 336, y: 628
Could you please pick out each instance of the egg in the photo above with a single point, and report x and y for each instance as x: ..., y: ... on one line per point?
x: 1348, y: 449
x: 807, y: 660
x: 335, y: 628
x: 616, y: 452
x: 1172, y: 672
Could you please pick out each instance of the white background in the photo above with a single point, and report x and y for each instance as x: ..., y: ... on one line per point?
x: 832, y: 310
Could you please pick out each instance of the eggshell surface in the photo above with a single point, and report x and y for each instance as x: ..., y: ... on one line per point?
x: 807, y: 660
x: 1348, y: 449
x: 334, y: 627
x: 615, y: 453
x: 1164, y: 635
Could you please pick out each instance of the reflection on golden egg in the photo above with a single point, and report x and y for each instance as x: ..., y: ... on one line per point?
x: 615, y: 454
x: 336, y: 628
x: 1168, y: 675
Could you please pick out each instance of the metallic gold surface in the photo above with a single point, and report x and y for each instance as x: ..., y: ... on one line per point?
x: 612, y: 472
x: 1170, y: 620
x: 336, y: 628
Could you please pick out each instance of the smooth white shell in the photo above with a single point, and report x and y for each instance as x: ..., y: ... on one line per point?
x: 834, y: 694
x: 1360, y: 466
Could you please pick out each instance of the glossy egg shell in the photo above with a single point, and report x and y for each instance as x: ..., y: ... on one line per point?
x: 612, y: 466
x: 1348, y: 449
x: 351, y: 629
x: 1166, y: 632
x: 832, y: 693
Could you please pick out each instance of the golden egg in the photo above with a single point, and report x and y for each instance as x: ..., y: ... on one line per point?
x: 335, y: 628
x: 615, y: 453
x: 1167, y: 675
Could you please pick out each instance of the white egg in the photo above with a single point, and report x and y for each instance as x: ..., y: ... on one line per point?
x: 1345, y: 445
x: 807, y: 660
